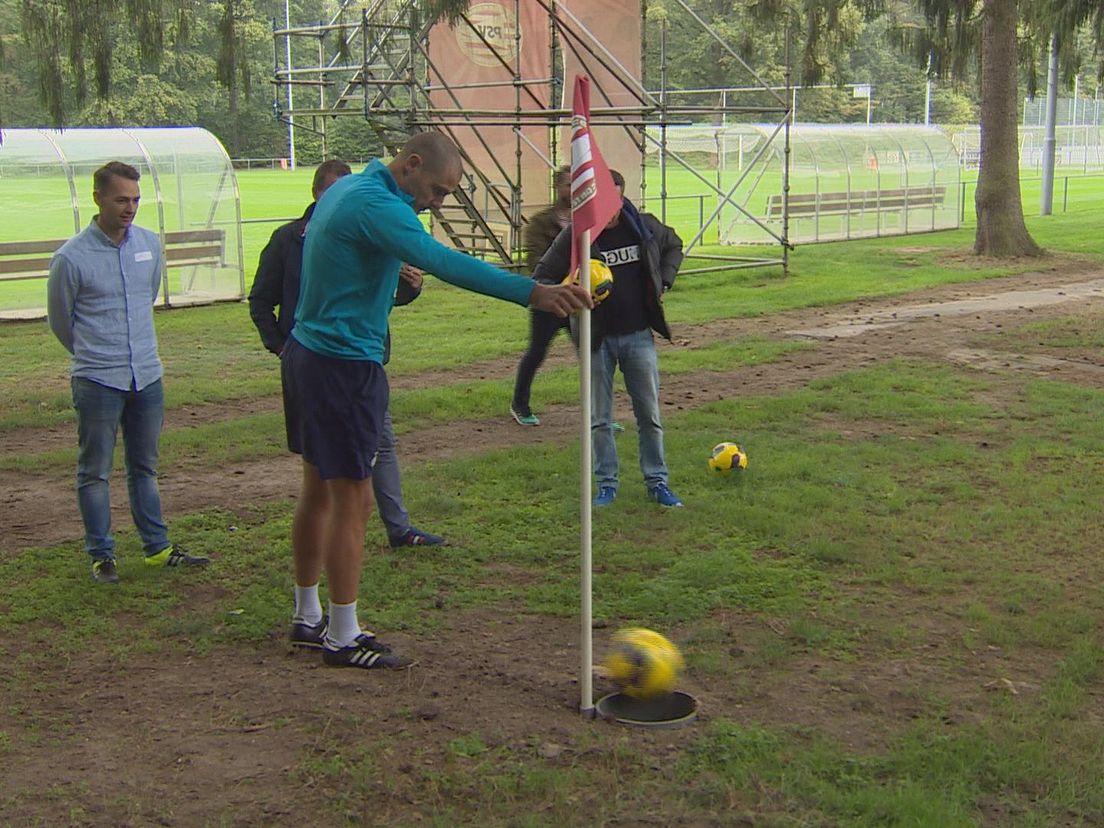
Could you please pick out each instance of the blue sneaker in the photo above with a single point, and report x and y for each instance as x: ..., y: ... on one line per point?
x: 662, y: 495
x: 416, y: 537
x: 606, y: 496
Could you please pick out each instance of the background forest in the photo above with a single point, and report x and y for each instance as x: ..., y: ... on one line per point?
x: 198, y: 81
x: 195, y: 83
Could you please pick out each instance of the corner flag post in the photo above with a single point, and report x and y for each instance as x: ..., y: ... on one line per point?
x: 594, y: 201
x: 586, y: 677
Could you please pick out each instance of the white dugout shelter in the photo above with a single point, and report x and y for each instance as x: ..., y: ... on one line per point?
x: 189, y: 198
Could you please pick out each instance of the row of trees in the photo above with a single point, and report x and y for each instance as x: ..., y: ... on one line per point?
x: 100, y: 63
x: 208, y: 62
x: 987, y: 50
x: 867, y: 56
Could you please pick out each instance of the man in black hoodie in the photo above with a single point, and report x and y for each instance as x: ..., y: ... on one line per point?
x: 644, y: 255
x: 276, y: 286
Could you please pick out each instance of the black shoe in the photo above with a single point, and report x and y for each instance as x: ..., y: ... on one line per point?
x: 104, y: 572
x: 365, y: 652
x: 175, y: 556
x: 302, y: 634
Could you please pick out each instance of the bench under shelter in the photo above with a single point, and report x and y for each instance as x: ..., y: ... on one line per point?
x: 189, y: 198
x: 846, y: 181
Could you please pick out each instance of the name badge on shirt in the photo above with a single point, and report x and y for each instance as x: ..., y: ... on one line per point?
x: 143, y: 256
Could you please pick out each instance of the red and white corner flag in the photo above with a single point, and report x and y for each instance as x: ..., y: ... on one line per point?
x: 594, y: 198
x: 594, y: 201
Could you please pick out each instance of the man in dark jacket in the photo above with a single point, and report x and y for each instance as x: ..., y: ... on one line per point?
x: 541, y: 231
x: 644, y: 255
x: 275, y: 289
x: 276, y: 286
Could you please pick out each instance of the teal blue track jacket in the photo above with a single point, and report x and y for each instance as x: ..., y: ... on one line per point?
x: 362, y: 230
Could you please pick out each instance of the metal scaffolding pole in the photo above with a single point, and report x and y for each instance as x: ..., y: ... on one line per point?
x: 663, y: 119
x: 290, y: 87
x: 384, y: 85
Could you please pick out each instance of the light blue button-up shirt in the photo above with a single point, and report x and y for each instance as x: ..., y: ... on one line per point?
x: 100, y: 304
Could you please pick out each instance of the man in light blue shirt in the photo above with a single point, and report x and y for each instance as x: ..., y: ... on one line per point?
x: 100, y: 294
x: 335, y: 389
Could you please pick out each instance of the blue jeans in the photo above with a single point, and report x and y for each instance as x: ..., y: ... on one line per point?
x: 386, y: 484
x: 636, y: 354
x: 100, y: 411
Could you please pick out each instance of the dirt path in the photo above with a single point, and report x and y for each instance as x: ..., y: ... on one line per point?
x: 940, y: 324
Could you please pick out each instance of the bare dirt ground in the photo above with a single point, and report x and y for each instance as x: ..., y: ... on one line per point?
x: 172, y: 741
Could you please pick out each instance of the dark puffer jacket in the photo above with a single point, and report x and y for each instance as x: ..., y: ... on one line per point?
x: 276, y: 285
x: 661, y: 251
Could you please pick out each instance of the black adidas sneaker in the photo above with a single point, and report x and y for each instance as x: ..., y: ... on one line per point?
x: 366, y: 652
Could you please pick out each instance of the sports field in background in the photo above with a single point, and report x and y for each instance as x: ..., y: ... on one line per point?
x: 270, y: 196
x: 267, y: 194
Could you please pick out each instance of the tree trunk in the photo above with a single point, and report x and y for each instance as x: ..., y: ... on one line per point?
x: 1000, y: 221
x: 235, y: 119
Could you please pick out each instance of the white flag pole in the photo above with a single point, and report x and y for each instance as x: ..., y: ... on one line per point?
x: 586, y: 675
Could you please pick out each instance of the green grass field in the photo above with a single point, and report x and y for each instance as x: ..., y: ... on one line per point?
x: 269, y: 197
x: 919, y: 541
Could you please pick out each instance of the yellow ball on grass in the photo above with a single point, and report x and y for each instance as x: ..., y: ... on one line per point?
x: 727, y: 458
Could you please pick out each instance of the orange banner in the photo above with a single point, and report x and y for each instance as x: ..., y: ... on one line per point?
x: 479, y: 63
x: 600, y: 38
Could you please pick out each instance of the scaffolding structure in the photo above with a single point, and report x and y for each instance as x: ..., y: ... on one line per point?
x: 376, y: 61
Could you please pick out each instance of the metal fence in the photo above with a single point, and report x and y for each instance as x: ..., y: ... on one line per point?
x: 1068, y: 112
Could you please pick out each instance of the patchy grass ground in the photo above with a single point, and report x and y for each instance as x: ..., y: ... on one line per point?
x: 892, y: 618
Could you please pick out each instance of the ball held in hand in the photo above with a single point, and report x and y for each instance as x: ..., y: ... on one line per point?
x: 601, y: 280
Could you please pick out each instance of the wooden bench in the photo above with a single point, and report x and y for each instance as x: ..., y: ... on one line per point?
x: 826, y: 204
x: 183, y: 248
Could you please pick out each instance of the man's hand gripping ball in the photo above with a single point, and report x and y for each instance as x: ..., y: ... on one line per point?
x: 601, y: 280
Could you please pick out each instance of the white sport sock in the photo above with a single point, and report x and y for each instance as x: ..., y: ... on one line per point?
x: 344, y: 626
x: 308, y: 609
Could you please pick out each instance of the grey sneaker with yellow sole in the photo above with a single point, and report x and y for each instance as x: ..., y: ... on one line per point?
x: 105, y: 572
x: 175, y: 556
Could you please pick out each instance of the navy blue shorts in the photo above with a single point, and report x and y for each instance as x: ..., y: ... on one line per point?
x: 333, y: 410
